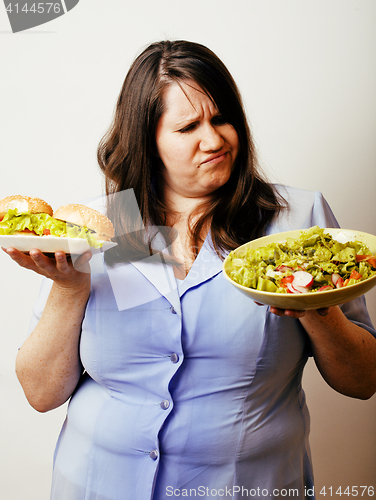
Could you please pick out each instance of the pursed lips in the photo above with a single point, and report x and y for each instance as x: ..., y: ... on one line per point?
x: 217, y: 157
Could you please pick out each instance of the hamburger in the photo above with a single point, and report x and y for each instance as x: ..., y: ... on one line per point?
x: 24, y: 215
x: 85, y: 222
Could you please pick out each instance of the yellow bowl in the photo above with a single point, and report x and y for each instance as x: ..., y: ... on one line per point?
x: 305, y: 301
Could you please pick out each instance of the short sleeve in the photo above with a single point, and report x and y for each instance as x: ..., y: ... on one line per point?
x: 305, y: 209
x: 356, y: 311
x: 322, y: 214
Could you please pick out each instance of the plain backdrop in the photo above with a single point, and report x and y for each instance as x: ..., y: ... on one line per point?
x: 307, y: 73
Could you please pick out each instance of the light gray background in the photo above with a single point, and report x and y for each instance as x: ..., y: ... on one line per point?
x: 307, y: 72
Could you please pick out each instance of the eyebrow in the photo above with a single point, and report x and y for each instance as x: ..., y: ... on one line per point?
x: 190, y: 120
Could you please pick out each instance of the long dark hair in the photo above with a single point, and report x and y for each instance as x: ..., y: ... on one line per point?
x: 239, y: 211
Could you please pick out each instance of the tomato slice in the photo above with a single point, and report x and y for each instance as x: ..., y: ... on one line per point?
x: 355, y: 275
x: 28, y: 231
x: 369, y: 258
x: 372, y: 261
x: 285, y: 280
x: 361, y: 257
x: 46, y: 232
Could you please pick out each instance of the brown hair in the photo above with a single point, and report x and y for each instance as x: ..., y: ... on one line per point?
x: 239, y: 211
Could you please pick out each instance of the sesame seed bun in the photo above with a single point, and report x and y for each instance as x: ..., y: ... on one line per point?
x: 24, y: 204
x: 81, y: 215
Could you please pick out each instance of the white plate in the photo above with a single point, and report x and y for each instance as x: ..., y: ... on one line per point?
x: 315, y: 300
x: 51, y: 244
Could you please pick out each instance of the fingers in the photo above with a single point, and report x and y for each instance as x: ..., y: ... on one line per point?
x: 284, y: 312
x: 61, y: 261
x: 323, y: 311
x: 57, y: 268
x: 291, y: 313
x: 298, y: 314
x: 21, y: 259
x: 46, y: 265
x: 81, y: 263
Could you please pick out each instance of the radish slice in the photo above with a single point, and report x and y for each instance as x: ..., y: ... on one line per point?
x: 335, y: 277
x: 300, y: 289
x: 337, y: 280
x: 291, y: 289
x: 296, y: 288
x: 340, y: 282
x: 283, y: 269
x: 325, y: 287
x: 302, y: 279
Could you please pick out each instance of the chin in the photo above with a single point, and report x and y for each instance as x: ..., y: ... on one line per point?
x: 218, y: 183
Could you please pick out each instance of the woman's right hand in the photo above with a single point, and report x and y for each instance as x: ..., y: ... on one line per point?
x: 65, y: 274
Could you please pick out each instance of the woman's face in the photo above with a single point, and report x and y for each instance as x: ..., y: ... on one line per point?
x: 196, y: 146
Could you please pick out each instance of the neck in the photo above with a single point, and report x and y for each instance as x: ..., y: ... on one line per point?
x: 182, y: 213
x: 180, y: 208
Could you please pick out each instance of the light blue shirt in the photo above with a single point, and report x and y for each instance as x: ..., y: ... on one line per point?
x: 190, y: 390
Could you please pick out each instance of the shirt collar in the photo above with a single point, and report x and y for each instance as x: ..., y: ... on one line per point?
x: 161, y: 275
x: 206, y: 265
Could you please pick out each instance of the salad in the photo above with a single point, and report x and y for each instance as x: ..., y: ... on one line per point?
x: 313, y: 262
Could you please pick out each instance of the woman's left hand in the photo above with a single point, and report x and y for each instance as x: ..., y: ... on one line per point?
x: 293, y: 313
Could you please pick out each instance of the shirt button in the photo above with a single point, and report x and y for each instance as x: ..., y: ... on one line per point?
x: 153, y: 454
x: 172, y: 309
x: 165, y: 404
x: 174, y: 357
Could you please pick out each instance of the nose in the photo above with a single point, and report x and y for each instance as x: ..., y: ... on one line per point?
x: 211, y: 139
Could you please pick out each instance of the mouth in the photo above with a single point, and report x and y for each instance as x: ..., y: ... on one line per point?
x: 216, y: 158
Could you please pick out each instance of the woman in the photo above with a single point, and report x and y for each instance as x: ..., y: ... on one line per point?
x: 190, y: 388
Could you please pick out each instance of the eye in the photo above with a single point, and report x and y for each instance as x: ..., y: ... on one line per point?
x: 188, y: 128
x: 219, y: 120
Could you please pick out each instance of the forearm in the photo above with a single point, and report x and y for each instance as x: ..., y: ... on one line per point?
x: 48, y: 365
x: 344, y: 353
